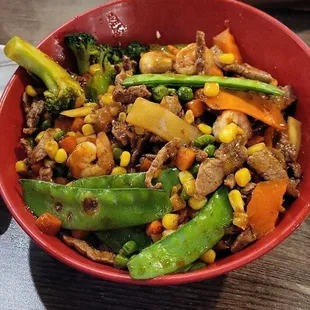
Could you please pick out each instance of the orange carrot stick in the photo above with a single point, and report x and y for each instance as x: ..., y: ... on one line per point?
x: 197, y: 107
x: 185, y: 158
x: 48, y: 224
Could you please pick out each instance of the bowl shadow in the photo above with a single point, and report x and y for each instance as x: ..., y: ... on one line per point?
x: 5, y: 217
x: 61, y: 287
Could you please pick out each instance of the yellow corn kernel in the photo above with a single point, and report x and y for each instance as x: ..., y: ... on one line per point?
x: 256, y: 148
x: 139, y: 131
x: 70, y: 133
x: 122, y: 117
x: 39, y: 136
x: 118, y: 170
x: 196, y: 204
x: 240, y: 219
x: 111, y: 88
x: 128, y: 108
x: 94, y: 68
x: 61, y: 156
x: 78, y: 112
x: 211, y: 89
x: 51, y: 148
x: 229, y: 132
x: 189, y: 117
x: 21, y: 167
x: 125, y: 159
x: 206, y: 129
x: 236, y: 200
x: 185, y: 176
x: 167, y: 232
x: 208, y: 257
x: 30, y: 91
x: 170, y: 221
x: 106, y: 99
x: 88, y: 130
x: 282, y: 209
x: 189, y: 187
x: 90, y: 119
x: 93, y: 105
x: 226, y: 58
x: 243, y: 177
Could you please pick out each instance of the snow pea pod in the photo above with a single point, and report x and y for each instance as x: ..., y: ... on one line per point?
x: 96, y: 209
x: 188, y: 243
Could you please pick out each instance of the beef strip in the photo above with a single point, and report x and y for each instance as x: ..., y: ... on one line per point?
x: 244, y: 239
x: 216, y: 51
x: 230, y: 181
x: 46, y: 174
x: 166, y: 152
x: 248, y: 72
x: 154, y: 139
x: 126, y: 70
x: 119, y: 131
x: 138, y: 148
x: 172, y: 103
x: 292, y: 187
x: 283, y: 102
x: 130, y: 94
x: 27, y: 146
x: 200, y: 155
x: 248, y: 189
x: 296, y: 168
x: 232, y: 154
x: 200, y: 52
x: 283, y: 144
x: 279, y: 156
x: 210, y: 176
x: 104, y: 257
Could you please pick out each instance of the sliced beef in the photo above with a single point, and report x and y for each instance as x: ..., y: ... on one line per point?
x: 172, y: 103
x: 248, y: 72
x: 200, y: 52
x: 127, y: 69
x: 287, y: 149
x: 285, y: 101
x: 120, y: 132
x: 27, y: 146
x: 138, y: 147
x: 46, y: 174
x: 296, y: 169
x: 232, y: 154
x: 279, y: 156
x: 248, y: 189
x: 168, y: 151
x: 154, y: 139
x: 104, y: 257
x: 130, y: 94
x: 200, y: 155
x: 244, y: 239
x: 210, y: 177
x: 230, y: 181
x: 292, y: 187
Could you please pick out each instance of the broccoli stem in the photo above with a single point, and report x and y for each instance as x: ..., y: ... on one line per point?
x: 171, y: 79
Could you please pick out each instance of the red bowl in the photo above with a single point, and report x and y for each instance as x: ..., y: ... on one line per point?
x: 264, y: 42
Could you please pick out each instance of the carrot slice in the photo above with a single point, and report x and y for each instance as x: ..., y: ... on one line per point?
x: 48, y: 224
x: 154, y: 228
x: 196, y: 106
x: 255, y: 140
x: 185, y: 158
x: 77, y: 124
x: 68, y: 144
x: 263, y: 209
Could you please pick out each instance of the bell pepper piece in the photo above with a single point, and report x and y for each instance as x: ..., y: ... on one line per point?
x: 188, y: 243
x: 250, y: 104
x: 294, y: 133
x: 263, y: 208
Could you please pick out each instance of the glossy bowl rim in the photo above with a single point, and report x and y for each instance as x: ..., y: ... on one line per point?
x: 198, y: 275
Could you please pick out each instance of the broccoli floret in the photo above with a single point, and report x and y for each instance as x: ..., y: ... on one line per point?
x: 84, y: 46
x: 135, y: 49
x: 62, y: 90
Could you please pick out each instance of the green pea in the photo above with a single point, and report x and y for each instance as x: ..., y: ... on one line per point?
x: 197, y: 265
x: 46, y: 124
x: 30, y: 140
x: 172, y: 92
x: 159, y: 92
x: 60, y: 133
x: 120, y: 261
x: 210, y: 150
x: 129, y: 247
x: 204, y: 140
x: 194, y: 169
x: 60, y: 171
x: 117, y: 152
x: 185, y: 93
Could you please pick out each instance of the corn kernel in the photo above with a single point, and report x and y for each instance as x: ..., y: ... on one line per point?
x: 88, y: 130
x: 189, y: 187
x: 170, y: 221
x: 229, y: 132
x: 30, y: 91
x: 282, y: 209
x: 139, y: 131
x: 94, y: 68
x: 39, y: 136
x: 236, y: 200
x: 93, y: 105
x: 177, y: 202
x: 208, y: 257
x: 205, y: 129
x: 129, y: 108
x: 256, y: 148
x: 196, y: 204
x: 122, y: 117
x: 21, y: 167
x: 240, y: 219
x: 125, y: 159
x: 71, y: 134
x: 90, y: 119
x: 226, y: 58
x: 211, y: 89
x: 185, y: 176
x: 106, y: 99
x: 51, y: 148
x: 167, y: 232
x: 111, y: 88
x: 61, y: 156
x: 243, y: 177
x: 118, y: 170
x: 189, y: 117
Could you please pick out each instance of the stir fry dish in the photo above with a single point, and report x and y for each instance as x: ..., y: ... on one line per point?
x: 156, y: 159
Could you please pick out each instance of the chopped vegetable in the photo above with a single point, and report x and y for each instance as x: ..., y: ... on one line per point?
x: 129, y: 248
x: 294, y: 133
x: 68, y: 144
x: 188, y: 243
x: 48, y: 224
x: 256, y: 148
x: 172, y: 79
x: 208, y: 257
x: 77, y: 124
x: 46, y: 124
x: 161, y: 121
x: 263, y: 209
x: 211, y: 89
x: 185, y: 93
x: 203, y: 140
x: 185, y: 158
x: 196, y: 106
x: 154, y: 228
x: 229, y: 132
x: 170, y: 221
x: 159, y: 92
x: 243, y: 177
x: 250, y: 104
x: 120, y: 261
x: 210, y: 150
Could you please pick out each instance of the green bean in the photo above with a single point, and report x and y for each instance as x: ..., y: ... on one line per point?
x: 129, y: 247
x: 120, y: 261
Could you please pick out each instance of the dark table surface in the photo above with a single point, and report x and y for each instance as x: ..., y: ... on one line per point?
x: 31, y: 279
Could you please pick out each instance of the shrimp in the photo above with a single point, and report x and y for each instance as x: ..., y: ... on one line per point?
x: 229, y: 116
x: 156, y: 62
x: 80, y: 162
x: 185, y: 62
